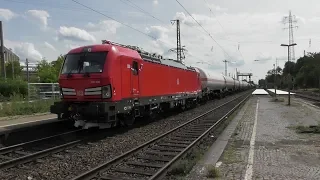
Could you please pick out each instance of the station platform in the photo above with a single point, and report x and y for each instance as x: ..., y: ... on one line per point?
x: 9, y: 124
x: 260, y: 92
x: 262, y: 142
x: 280, y: 92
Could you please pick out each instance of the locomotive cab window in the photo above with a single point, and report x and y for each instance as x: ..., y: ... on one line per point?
x: 79, y: 63
x: 135, y: 68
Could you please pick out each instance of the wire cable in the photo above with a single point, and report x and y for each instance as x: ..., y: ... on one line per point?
x: 142, y: 10
x: 114, y: 19
x: 203, y: 28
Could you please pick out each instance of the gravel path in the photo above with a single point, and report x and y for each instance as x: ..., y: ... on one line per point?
x: 77, y: 161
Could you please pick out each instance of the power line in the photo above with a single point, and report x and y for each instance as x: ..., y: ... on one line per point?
x: 217, y: 20
x: 114, y: 19
x: 223, y: 28
x: 142, y: 10
x: 203, y: 28
x: 149, y: 14
x: 127, y: 25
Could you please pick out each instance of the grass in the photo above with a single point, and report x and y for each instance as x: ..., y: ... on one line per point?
x: 184, y: 166
x: 18, y: 106
x: 213, y: 172
x: 229, y: 155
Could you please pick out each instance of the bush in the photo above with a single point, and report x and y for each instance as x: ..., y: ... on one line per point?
x: 19, y: 107
x: 9, y: 88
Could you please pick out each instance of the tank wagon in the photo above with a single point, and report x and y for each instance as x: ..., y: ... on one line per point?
x: 108, y: 84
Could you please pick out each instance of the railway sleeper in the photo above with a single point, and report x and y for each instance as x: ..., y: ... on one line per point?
x: 154, y: 158
x: 173, y: 149
x: 177, y: 142
x: 112, y: 177
x: 153, y: 152
x: 152, y: 165
x: 173, y: 145
x: 181, y: 139
x: 139, y: 171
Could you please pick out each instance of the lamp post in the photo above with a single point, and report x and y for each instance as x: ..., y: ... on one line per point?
x: 275, y: 83
x: 289, y: 75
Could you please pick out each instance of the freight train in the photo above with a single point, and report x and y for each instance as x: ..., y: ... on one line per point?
x: 110, y: 84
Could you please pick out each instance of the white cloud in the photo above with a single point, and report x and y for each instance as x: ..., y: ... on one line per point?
x: 157, y: 32
x: 107, y: 26
x: 155, y: 2
x: 238, y: 27
x: 262, y: 58
x: 216, y: 8
x: 24, y: 50
x: 6, y: 14
x: 74, y: 34
x: 50, y: 46
x: 39, y: 15
x: 71, y: 46
x: 104, y: 29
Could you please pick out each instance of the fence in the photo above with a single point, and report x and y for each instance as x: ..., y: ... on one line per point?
x: 38, y: 91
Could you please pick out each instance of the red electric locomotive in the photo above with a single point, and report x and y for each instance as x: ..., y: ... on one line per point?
x: 106, y: 84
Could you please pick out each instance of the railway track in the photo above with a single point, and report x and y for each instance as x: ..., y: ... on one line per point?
x: 153, y: 159
x: 29, y: 151
x: 312, y: 98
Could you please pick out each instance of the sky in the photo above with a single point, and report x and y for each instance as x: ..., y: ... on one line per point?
x: 211, y: 31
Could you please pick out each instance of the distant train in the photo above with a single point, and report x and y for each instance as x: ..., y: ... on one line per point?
x: 109, y: 84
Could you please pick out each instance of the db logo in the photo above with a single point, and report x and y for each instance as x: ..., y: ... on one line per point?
x: 79, y: 93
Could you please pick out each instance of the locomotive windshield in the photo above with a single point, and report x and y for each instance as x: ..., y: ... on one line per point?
x: 89, y: 62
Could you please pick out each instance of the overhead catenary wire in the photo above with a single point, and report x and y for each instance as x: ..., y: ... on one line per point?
x: 223, y: 28
x: 203, y: 28
x: 125, y: 24
x: 217, y: 20
x: 114, y: 19
x: 149, y: 14
x: 142, y: 10
x: 67, y: 7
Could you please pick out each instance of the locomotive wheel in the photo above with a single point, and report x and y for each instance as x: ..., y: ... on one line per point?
x: 154, y: 114
x: 127, y: 120
x: 63, y: 116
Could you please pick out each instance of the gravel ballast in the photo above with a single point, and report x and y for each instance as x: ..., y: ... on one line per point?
x: 79, y: 160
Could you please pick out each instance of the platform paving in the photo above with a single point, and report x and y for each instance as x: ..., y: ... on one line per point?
x: 260, y: 92
x: 15, y: 120
x: 280, y: 92
x: 265, y: 144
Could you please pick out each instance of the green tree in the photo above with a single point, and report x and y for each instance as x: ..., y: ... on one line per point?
x: 262, y: 83
x: 289, y: 67
x: 57, y: 64
x: 49, y: 72
x: 17, y: 69
x: 46, y: 72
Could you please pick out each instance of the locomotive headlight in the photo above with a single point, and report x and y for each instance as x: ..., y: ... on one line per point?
x: 106, y: 91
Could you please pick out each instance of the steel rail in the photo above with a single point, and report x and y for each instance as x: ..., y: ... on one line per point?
x: 164, y: 169
x: 317, y: 99
x: 103, y: 167
x: 27, y: 157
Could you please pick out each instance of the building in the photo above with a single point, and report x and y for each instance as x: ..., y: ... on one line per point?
x: 9, y: 56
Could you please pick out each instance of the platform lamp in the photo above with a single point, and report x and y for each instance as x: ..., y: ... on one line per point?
x: 289, y: 75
